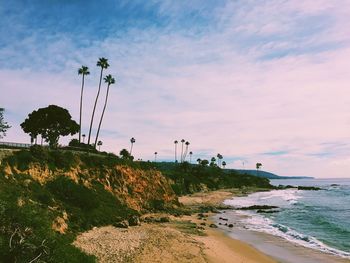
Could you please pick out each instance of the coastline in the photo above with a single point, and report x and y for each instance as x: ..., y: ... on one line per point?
x: 189, y: 238
x: 277, y: 247
x: 182, y: 239
x: 220, y: 247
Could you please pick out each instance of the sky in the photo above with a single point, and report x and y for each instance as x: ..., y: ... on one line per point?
x: 254, y: 80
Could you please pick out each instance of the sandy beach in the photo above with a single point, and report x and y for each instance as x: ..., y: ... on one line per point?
x: 191, y: 239
x: 183, y: 239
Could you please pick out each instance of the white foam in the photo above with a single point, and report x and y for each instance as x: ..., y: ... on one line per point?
x: 256, y: 222
x: 281, y: 198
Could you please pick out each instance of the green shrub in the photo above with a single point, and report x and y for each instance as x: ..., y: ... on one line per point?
x: 73, y: 194
x: 39, y: 152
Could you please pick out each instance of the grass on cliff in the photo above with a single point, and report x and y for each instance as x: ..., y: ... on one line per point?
x: 191, y: 178
x: 28, y: 209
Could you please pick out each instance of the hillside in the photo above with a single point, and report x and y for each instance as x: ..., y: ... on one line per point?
x: 48, y: 197
x: 269, y: 175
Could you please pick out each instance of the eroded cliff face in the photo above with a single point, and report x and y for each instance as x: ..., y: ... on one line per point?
x: 139, y: 189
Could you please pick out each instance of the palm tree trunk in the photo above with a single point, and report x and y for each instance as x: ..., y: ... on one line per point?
x: 93, y: 112
x: 185, y: 154
x: 81, y: 107
x: 182, y: 151
x: 103, y: 112
x: 131, y: 148
x: 175, y: 152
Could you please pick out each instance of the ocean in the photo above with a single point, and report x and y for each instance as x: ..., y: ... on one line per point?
x: 319, y: 220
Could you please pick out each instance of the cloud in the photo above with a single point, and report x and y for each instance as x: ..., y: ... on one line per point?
x: 239, y: 78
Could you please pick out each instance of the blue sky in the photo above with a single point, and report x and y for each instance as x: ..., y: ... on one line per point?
x: 257, y: 81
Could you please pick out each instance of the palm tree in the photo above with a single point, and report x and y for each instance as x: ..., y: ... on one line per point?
x: 199, y: 160
x: 191, y: 157
x: 258, y: 166
x: 83, y: 138
x: 220, y: 157
x: 132, y: 141
x: 186, y: 151
x: 182, y: 149
x: 99, y: 143
x: 224, y: 164
x: 103, y: 63
x: 176, y: 142
x: 84, y: 70
x: 155, y: 156
x: 109, y: 80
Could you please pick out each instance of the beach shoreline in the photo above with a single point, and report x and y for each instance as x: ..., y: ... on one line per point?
x: 190, y: 238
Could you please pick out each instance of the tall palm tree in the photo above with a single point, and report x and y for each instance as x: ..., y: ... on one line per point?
x: 84, y: 70
x: 155, y: 156
x: 182, y: 149
x: 83, y: 138
x: 186, y: 151
x: 191, y: 157
x: 103, y: 63
x: 132, y: 141
x: 99, y: 144
x: 176, y: 142
x: 220, y: 157
x: 109, y: 80
x: 258, y: 166
x: 199, y: 160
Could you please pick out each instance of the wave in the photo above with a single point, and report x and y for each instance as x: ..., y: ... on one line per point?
x: 288, y: 201
x: 262, y: 224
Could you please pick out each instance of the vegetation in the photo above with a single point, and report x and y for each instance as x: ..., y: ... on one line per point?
x: 109, y: 80
x: 28, y: 208
x: 51, y: 123
x: 103, y: 63
x: 132, y: 141
x: 84, y: 70
x: 189, y: 178
x: 3, y: 124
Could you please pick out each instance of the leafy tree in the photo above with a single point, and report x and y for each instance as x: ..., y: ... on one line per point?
x: 109, y: 80
x: 51, y: 123
x: 204, y: 162
x: 132, y: 141
x: 3, y: 124
x: 84, y: 70
x: 125, y: 154
x: 199, y: 160
x: 212, y: 161
x: 103, y: 63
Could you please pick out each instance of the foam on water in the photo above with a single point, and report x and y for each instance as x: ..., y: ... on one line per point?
x: 288, y: 201
x: 274, y: 197
x: 256, y: 222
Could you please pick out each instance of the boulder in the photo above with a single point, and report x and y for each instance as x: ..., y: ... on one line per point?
x: 164, y: 219
x: 213, y: 226
x: 122, y: 224
x: 134, y: 221
x: 230, y: 225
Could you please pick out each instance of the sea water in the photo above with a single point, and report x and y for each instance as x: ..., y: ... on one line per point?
x: 315, y: 219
